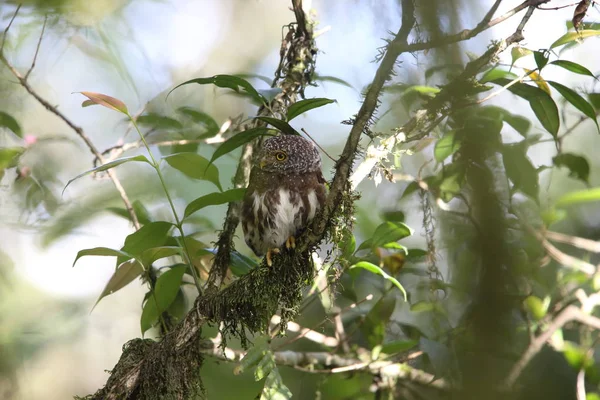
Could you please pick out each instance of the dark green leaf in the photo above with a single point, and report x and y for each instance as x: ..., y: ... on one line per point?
x: 9, y: 122
x: 578, y: 166
x: 328, y: 78
x: 239, y: 85
x: 202, y: 118
x: 279, y: 124
x: 377, y: 270
x: 106, y: 101
x: 582, y: 196
x: 157, y: 121
x: 541, y: 103
x: 576, y: 100
x: 398, y: 346
x: 154, y: 234
x: 195, y: 166
x: 573, y: 67
x: 124, y: 275
x: 156, y: 253
x: 573, y: 36
x: 213, y: 199
x: 595, y: 100
x: 377, y: 319
x: 238, y: 140
x: 110, y: 165
x: 303, y: 106
x: 9, y: 157
x: 165, y: 292
x: 263, y: 78
x: 541, y: 59
x: 520, y: 124
x: 102, y: 251
x: 520, y: 170
x: 446, y: 146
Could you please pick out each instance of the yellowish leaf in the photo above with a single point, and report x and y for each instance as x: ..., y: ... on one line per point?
x: 538, y: 80
x: 104, y: 100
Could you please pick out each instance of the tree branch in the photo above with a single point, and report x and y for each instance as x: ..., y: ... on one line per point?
x: 78, y: 130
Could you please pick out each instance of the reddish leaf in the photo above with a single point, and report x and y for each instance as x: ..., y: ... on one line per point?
x: 104, y: 100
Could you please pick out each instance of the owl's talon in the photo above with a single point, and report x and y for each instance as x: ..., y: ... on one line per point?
x: 270, y: 257
x: 290, y: 243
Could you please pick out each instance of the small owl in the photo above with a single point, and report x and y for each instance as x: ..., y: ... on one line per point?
x: 285, y: 192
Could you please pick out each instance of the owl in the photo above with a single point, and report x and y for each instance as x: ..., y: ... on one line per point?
x: 285, y: 191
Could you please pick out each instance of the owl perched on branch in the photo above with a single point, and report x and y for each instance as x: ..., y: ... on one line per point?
x: 285, y: 191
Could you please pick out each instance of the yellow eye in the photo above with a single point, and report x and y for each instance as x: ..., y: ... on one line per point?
x: 280, y: 156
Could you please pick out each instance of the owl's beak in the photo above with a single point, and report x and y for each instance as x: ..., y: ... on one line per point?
x: 262, y: 163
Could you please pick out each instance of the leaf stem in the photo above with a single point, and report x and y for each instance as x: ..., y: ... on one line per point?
x: 178, y: 222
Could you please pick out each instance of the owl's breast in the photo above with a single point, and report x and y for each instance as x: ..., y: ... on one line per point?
x: 270, y: 217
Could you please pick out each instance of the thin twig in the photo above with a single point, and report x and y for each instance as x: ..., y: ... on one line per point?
x: 318, y: 145
x: 582, y: 243
x: 570, y: 313
x: 8, y: 27
x: 37, y: 49
x: 80, y: 132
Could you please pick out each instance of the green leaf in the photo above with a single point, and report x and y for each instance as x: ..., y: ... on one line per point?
x: 213, y: 199
x: 541, y: 103
x: 573, y: 36
x: 9, y: 157
x: 328, y: 78
x: 377, y: 319
x: 106, y: 101
x: 518, y: 52
x: 594, y: 100
x: 303, y: 106
x: 385, y: 233
x: 582, y: 196
x: 9, y: 122
x: 239, y: 85
x: 279, y: 124
x: 377, y: 270
x: 536, y: 307
x: 422, y: 306
x: 255, y: 354
x: 195, y: 166
x: 165, y: 292
x: 520, y: 124
x: 446, y: 146
x: 497, y: 73
x: 520, y: 170
x: 109, y: 165
x: 238, y: 140
x: 158, y: 121
x: 274, y: 388
x: 140, y: 211
x: 541, y: 59
x: 125, y: 274
x: 102, y: 251
x: 201, y: 118
x: 576, y: 100
x: 398, y: 346
x: 156, y: 253
x: 154, y: 234
x: 578, y: 166
x: 573, y: 67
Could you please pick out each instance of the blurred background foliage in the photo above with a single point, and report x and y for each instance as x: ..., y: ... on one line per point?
x: 51, y: 346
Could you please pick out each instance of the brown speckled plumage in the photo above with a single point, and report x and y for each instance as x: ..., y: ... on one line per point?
x: 283, y: 195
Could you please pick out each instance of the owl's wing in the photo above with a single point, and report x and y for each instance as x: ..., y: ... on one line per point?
x: 320, y: 177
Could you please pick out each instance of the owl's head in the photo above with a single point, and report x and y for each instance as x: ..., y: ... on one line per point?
x: 290, y: 154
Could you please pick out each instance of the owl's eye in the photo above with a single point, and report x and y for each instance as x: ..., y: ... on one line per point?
x: 280, y: 156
